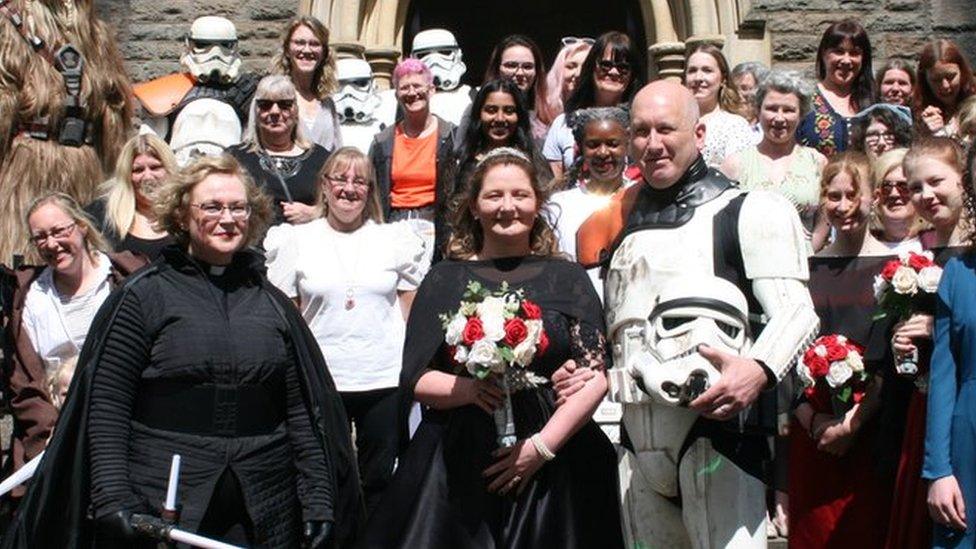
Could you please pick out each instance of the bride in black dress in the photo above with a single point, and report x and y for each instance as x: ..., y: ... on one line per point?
x: 454, y: 486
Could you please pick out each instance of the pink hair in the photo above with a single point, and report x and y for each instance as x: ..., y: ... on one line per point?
x: 410, y: 66
x: 554, y: 80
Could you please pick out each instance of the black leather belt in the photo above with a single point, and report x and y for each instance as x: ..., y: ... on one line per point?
x: 210, y: 409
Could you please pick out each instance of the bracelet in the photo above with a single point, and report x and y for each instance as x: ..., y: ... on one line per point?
x: 541, y: 447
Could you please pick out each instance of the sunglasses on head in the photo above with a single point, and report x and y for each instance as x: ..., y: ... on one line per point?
x: 572, y: 40
x: 266, y: 104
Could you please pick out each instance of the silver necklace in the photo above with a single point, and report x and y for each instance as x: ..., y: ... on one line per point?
x: 350, y: 302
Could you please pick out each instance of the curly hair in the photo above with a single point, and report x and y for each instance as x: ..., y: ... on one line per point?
x: 172, y: 207
x: 324, y: 81
x: 467, y: 237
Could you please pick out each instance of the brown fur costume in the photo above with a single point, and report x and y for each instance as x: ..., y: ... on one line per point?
x: 30, y: 87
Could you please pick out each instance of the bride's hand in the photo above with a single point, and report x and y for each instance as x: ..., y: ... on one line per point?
x: 483, y: 393
x: 515, y: 466
x: 569, y: 379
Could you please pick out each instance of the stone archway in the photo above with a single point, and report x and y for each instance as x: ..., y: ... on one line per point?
x: 375, y: 30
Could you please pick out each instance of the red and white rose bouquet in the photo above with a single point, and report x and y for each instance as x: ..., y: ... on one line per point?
x: 906, y: 286
x: 832, y: 374
x: 497, y: 334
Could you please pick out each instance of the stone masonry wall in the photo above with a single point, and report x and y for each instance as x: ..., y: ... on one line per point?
x: 897, y: 28
x: 150, y: 32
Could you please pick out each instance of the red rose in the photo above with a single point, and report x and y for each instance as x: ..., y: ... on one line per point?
x: 473, y: 331
x: 858, y: 396
x: 836, y: 352
x: 918, y: 261
x: 543, y: 343
x: 888, y: 272
x: 531, y: 310
x: 515, y: 332
x: 818, y: 365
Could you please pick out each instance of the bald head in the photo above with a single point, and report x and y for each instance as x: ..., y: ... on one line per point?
x: 666, y: 134
x: 670, y: 92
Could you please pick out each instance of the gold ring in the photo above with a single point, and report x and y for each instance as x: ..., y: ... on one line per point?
x: 516, y: 479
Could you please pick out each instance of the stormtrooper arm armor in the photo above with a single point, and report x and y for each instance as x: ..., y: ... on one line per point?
x: 774, y: 254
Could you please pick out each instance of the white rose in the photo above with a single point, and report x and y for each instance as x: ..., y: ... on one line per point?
x: 880, y: 287
x: 903, y: 257
x: 820, y: 350
x: 491, y: 311
x: 804, y: 374
x: 534, y: 332
x: 928, y: 279
x: 524, y: 353
x: 855, y: 361
x: 460, y: 354
x: 842, y: 339
x: 905, y: 281
x: 839, y: 373
x: 483, y: 354
x: 455, y: 329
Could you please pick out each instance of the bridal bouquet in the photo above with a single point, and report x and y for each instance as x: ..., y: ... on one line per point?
x: 832, y: 374
x: 907, y: 285
x: 497, y: 333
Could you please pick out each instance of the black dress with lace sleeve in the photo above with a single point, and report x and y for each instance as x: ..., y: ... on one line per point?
x: 438, y: 497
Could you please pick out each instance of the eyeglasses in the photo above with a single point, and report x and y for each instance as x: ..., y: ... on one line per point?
x: 283, y: 104
x: 514, y: 66
x: 57, y: 233
x: 572, y: 40
x: 874, y: 137
x: 339, y: 181
x: 889, y: 188
x: 213, y: 210
x: 606, y: 65
x: 310, y: 44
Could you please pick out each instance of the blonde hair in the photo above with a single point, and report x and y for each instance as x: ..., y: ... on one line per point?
x: 467, y: 237
x: 273, y: 86
x: 173, y: 204
x: 881, y: 167
x: 324, y: 80
x: 339, y: 162
x: 94, y: 241
x: 967, y: 118
x: 118, y: 192
x: 855, y: 164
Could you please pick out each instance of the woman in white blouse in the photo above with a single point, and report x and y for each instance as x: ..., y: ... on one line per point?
x: 354, y: 278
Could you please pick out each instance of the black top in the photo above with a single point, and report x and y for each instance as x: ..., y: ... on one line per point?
x: 171, y: 331
x: 150, y: 248
x: 284, y: 178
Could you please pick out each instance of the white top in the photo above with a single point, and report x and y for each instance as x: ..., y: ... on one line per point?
x: 568, y: 210
x: 348, y: 285
x: 560, y: 144
x: 913, y: 244
x: 57, y: 325
x: 726, y: 133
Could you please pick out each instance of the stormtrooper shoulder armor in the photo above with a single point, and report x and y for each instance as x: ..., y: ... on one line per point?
x: 771, y: 237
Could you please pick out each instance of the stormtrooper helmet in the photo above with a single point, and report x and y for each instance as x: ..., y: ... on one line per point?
x: 205, y: 127
x: 439, y: 50
x: 357, y: 98
x: 690, y: 311
x: 211, y: 50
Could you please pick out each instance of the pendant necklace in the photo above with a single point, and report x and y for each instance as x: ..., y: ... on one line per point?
x: 349, y: 277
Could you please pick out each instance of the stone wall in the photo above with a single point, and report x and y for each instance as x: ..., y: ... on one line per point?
x: 898, y: 28
x: 150, y: 31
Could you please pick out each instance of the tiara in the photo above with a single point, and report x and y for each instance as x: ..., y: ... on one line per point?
x: 503, y: 151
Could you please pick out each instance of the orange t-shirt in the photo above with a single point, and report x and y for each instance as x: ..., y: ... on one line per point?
x: 414, y: 172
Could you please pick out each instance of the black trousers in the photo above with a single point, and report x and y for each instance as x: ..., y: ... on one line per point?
x: 374, y: 414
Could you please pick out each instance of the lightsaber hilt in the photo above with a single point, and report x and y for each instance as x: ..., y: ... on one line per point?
x: 171, y: 510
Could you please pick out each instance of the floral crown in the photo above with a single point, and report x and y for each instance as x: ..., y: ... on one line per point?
x: 504, y: 151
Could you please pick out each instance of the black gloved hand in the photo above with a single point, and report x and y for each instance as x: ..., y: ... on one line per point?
x: 316, y: 534
x: 118, y: 525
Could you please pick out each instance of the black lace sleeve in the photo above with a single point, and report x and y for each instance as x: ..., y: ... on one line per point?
x: 587, y: 345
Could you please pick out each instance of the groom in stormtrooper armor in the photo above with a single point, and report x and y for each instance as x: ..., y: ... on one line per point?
x: 694, y: 447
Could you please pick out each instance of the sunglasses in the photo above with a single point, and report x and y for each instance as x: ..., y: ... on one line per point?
x: 606, y: 65
x: 573, y: 40
x: 266, y: 104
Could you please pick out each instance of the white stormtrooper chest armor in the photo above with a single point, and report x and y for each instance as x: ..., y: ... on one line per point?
x: 359, y: 135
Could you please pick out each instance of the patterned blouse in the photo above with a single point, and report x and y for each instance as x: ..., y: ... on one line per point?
x: 823, y: 128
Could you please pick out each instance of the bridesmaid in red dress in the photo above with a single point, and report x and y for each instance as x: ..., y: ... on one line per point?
x: 941, y: 202
x: 836, y: 498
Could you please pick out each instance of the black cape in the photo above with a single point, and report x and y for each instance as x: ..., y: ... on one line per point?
x: 55, y: 512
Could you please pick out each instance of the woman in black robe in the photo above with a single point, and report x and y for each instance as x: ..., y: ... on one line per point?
x: 199, y: 355
x: 454, y: 486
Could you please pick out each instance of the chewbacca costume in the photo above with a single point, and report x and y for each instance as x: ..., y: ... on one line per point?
x: 32, y: 95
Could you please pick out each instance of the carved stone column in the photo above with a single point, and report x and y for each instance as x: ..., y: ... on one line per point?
x: 668, y: 59
x: 382, y: 60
